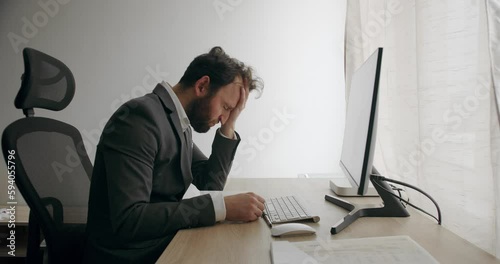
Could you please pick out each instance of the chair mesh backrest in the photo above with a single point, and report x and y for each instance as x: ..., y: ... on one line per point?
x: 52, y: 159
x: 47, y: 82
x: 58, y: 171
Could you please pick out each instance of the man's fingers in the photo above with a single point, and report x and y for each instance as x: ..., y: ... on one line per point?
x: 245, y: 84
x: 259, y: 202
x: 243, y: 98
x: 262, y: 200
x: 247, y: 90
x: 260, y: 205
x: 258, y: 197
x: 258, y: 213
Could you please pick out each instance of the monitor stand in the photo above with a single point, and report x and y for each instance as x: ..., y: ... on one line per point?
x: 391, y: 207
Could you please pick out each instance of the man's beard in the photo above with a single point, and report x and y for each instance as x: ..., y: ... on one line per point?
x: 199, y: 115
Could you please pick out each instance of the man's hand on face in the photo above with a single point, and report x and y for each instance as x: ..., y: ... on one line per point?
x: 228, y: 127
x: 244, y: 207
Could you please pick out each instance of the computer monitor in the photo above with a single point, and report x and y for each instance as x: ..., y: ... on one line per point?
x: 358, y: 147
x: 361, y: 123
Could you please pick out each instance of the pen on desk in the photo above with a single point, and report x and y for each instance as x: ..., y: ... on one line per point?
x: 266, y: 218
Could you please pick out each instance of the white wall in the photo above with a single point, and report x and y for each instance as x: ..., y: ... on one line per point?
x: 113, y: 47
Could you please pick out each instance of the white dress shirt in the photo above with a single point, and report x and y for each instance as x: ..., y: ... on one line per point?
x: 192, y: 191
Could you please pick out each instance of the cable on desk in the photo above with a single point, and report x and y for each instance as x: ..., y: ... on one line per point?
x: 399, y: 190
x: 382, y: 178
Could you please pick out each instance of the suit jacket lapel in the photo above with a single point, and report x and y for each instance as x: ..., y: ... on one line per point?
x: 185, y: 154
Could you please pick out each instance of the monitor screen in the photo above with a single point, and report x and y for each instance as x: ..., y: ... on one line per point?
x: 361, y: 122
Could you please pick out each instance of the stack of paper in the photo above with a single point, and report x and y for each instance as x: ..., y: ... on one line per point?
x: 394, y: 249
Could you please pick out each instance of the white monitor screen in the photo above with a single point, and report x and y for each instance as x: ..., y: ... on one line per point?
x: 360, y: 127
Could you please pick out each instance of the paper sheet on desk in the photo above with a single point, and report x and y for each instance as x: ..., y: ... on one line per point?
x: 394, y: 249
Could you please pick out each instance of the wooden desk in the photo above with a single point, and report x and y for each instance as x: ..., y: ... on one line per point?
x: 22, y: 214
x: 250, y: 242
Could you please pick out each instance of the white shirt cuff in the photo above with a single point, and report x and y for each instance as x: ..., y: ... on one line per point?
x: 217, y: 200
x: 219, y: 205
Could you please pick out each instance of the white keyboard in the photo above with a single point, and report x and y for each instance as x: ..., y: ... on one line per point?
x: 286, y: 209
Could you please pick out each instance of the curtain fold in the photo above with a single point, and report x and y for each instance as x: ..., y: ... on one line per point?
x: 493, y: 12
x: 438, y: 117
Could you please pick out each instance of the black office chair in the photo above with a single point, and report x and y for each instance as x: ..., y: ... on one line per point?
x: 52, y: 169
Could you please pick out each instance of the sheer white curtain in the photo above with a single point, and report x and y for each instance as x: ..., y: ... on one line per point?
x: 493, y: 13
x: 438, y: 120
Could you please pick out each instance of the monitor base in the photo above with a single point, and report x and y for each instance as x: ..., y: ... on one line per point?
x: 391, y: 207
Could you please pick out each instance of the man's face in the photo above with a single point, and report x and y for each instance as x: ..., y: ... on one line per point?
x: 206, y: 112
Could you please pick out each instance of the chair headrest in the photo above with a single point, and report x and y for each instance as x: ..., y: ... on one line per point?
x: 47, y: 82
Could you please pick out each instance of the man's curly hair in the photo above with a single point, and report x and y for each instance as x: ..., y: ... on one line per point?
x: 221, y: 69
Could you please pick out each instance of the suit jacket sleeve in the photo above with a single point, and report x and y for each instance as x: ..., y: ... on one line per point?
x: 129, y: 151
x: 211, y: 173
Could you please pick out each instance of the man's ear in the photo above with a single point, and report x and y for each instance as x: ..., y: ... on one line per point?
x: 201, y: 86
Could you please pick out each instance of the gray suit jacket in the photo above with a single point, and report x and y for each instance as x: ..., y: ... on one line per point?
x: 143, y: 166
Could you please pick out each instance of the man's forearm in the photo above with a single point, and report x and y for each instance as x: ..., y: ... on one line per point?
x: 228, y: 132
x: 212, y: 174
